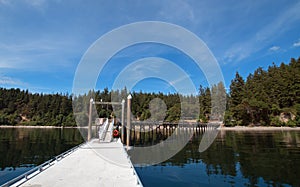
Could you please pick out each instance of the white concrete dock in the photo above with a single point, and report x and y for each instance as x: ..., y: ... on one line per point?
x: 93, y: 164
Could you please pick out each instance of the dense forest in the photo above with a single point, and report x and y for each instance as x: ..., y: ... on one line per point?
x: 24, y: 108
x: 266, y: 97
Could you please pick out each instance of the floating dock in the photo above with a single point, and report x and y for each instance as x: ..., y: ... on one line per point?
x: 91, y: 164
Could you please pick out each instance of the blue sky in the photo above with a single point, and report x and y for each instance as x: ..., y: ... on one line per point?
x: 42, y: 41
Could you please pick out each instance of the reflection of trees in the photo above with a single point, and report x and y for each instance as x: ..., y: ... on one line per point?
x: 269, y: 157
x: 21, y: 147
x: 273, y: 156
x: 219, y: 158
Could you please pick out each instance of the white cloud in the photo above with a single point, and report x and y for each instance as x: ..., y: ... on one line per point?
x: 180, y: 79
x: 9, y: 81
x: 297, y: 44
x: 264, y: 36
x: 41, y: 54
x: 274, y: 48
x: 176, y: 11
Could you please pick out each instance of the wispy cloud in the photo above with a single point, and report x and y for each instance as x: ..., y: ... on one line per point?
x: 180, y: 79
x: 5, y: 2
x: 297, y: 44
x: 274, y: 48
x: 158, y: 68
x: 265, y: 35
x: 36, y: 3
x: 9, y: 81
x: 41, y: 54
x: 51, y: 36
x: 178, y: 10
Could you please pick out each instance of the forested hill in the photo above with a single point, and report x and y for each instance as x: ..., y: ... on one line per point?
x: 22, y: 107
x: 18, y: 107
x: 266, y: 97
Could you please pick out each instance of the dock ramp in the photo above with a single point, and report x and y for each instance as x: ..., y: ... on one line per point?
x: 92, y: 164
x: 106, y: 131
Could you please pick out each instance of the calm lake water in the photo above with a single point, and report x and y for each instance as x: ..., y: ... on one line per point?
x: 21, y: 149
x: 256, y: 158
x: 236, y: 158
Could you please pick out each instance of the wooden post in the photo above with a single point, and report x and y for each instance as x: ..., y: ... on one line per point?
x: 128, y: 119
x: 90, y: 120
x: 123, y: 121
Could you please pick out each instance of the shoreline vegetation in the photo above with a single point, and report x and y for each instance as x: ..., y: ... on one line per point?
x: 40, y: 127
x: 258, y: 128
x: 265, y: 98
x: 222, y: 128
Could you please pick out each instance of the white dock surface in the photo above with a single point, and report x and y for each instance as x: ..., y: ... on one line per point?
x: 94, y: 164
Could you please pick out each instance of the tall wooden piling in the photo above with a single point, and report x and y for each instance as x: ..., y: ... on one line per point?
x: 123, y: 121
x: 90, y: 120
x: 128, y: 120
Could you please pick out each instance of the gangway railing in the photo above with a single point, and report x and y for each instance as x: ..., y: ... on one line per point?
x: 40, y: 168
x: 109, y: 133
x: 103, y: 129
x: 138, y: 180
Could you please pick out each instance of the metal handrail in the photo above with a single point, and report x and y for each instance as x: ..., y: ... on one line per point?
x: 110, y: 131
x: 102, y: 131
x: 40, y: 168
x: 138, y: 180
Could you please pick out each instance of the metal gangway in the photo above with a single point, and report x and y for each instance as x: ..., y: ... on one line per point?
x: 106, y: 131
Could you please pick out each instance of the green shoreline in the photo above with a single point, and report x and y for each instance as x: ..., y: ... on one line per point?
x: 37, y: 127
x: 235, y: 128
x: 258, y: 128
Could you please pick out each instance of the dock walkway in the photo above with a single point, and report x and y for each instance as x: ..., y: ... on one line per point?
x: 93, y: 164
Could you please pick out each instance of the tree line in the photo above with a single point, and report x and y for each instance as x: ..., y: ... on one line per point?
x: 266, y: 97
x: 24, y: 108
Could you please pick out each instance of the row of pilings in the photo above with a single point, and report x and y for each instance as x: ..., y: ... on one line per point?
x: 150, y: 133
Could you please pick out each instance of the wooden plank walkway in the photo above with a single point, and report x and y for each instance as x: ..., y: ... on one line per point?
x: 93, y: 164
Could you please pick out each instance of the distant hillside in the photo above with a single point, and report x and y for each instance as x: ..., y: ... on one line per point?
x: 266, y: 97
x: 22, y: 107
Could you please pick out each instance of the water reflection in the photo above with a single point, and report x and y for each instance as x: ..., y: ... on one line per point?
x: 164, y: 145
x: 255, y: 158
x: 23, y: 148
x: 236, y: 158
